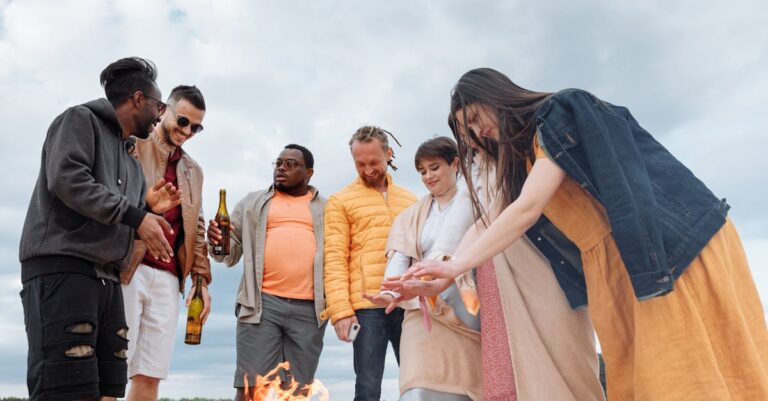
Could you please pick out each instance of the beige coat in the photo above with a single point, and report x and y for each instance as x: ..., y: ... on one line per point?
x: 192, y: 256
x: 552, y: 346
x: 247, y: 241
x: 447, y: 358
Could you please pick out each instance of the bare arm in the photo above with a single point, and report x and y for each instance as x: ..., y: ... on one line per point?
x: 542, y: 183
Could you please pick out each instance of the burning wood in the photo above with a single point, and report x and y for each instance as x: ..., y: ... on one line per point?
x: 271, y: 387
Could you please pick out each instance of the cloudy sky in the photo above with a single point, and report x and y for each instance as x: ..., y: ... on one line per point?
x: 276, y: 72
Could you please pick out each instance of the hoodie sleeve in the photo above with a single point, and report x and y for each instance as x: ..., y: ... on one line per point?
x: 70, y: 153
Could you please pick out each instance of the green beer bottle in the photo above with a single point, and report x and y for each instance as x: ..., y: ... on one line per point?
x: 222, y: 219
x: 194, y: 322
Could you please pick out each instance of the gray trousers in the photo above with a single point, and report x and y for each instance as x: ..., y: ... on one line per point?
x: 287, y: 332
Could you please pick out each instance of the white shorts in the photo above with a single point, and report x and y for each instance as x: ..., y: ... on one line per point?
x: 151, y: 312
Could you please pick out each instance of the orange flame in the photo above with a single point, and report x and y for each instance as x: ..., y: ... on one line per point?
x: 270, y: 387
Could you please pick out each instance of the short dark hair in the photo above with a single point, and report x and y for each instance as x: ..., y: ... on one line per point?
x: 438, y: 147
x: 188, y: 93
x: 124, y: 77
x: 309, y: 160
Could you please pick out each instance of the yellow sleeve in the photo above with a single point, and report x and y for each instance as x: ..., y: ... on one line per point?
x: 537, y: 150
x: 336, y: 269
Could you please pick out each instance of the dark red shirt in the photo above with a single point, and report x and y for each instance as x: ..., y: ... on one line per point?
x: 173, y: 217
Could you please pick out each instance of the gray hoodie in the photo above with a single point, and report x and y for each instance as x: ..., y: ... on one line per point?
x: 88, y: 200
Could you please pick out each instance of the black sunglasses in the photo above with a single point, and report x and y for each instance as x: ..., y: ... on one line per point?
x: 184, y: 121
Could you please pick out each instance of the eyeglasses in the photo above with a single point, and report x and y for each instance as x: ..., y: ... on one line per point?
x: 160, y: 105
x: 289, y: 164
x: 182, y: 122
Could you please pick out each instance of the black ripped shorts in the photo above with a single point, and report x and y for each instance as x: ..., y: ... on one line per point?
x: 77, y: 337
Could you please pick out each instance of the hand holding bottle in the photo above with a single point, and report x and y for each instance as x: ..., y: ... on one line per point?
x: 195, y: 318
x: 206, y: 302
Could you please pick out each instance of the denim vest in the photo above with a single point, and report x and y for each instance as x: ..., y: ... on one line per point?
x: 661, y: 215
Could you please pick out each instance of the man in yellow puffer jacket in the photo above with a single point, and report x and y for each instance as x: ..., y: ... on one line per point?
x: 357, y: 222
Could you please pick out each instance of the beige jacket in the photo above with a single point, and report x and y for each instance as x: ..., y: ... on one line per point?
x: 192, y: 255
x: 247, y: 240
x: 451, y: 342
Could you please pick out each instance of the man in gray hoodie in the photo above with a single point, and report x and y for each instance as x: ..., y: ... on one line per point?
x: 86, y: 208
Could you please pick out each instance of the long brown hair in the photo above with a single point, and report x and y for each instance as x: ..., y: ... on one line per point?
x: 515, y: 108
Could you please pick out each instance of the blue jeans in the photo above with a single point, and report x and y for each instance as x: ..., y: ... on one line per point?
x: 370, y: 349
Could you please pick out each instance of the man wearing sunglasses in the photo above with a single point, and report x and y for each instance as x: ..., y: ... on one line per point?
x: 278, y: 232
x: 151, y: 286
x: 87, y: 206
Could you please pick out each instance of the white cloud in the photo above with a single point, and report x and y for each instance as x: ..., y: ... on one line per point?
x: 311, y: 73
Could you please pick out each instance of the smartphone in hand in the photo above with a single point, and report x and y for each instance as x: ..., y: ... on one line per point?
x: 353, y: 330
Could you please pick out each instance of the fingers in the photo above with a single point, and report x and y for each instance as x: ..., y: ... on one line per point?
x: 214, y: 234
x: 420, y: 271
x: 392, y: 285
x: 165, y: 225
x: 151, y: 232
x: 157, y: 239
x: 164, y: 251
x: 339, y: 333
x: 342, y: 331
x: 409, y: 274
x: 392, y: 305
x: 159, y: 184
x: 382, y: 300
x: 342, y: 327
x: 206, y: 305
x: 174, y: 194
x: 423, y: 288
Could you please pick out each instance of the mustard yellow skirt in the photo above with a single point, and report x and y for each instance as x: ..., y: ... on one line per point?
x: 706, y: 340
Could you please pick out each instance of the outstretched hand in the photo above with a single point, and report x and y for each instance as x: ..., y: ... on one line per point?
x: 163, y: 196
x: 396, y: 284
x: 427, y: 288
x: 386, y: 300
x: 434, y: 269
x: 412, y: 287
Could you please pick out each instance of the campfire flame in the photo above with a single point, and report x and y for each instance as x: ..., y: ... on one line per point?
x: 270, y: 387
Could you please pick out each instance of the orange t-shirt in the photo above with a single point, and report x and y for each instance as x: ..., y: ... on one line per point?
x: 289, y: 251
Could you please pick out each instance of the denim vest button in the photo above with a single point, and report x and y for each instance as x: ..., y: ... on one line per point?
x: 562, y: 262
x: 538, y: 239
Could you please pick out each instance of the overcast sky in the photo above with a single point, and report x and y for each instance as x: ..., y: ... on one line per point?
x: 276, y: 72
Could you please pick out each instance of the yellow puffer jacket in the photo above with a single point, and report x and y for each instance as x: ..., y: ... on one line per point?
x: 357, y: 222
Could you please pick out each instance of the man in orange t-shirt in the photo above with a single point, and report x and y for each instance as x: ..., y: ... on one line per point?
x: 278, y: 232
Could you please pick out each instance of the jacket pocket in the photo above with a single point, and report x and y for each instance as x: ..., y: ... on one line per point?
x: 567, y: 136
x: 668, y: 206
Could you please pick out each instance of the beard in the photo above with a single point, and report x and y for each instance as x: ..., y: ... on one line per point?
x: 376, y: 181
x: 144, y: 128
x: 145, y: 125
x: 165, y: 134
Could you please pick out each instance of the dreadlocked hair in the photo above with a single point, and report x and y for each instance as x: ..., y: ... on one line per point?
x: 368, y: 133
